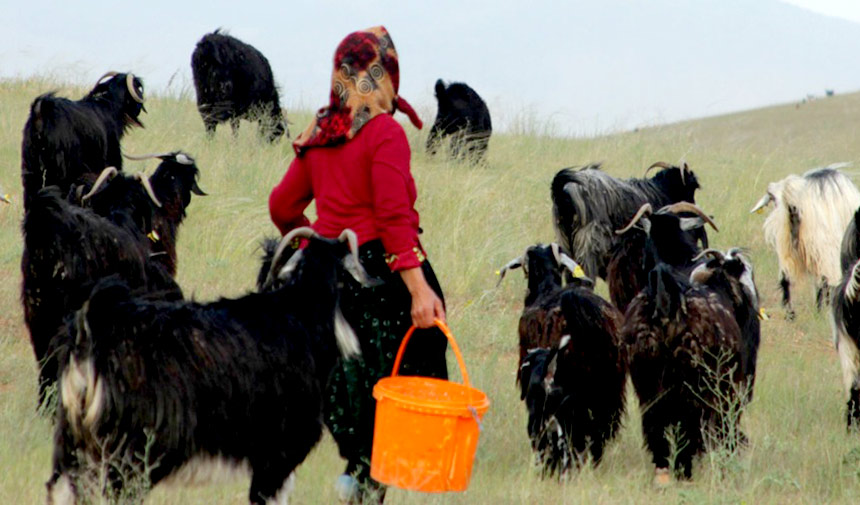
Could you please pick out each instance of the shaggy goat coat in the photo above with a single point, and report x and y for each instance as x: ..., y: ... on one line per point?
x: 808, y: 221
x: 589, y: 205
x: 65, y: 139
x: 239, y: 380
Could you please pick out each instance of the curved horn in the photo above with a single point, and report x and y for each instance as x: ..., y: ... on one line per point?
x: 350, y: 237
x: 710, y: 252
x: 301, y: 232
x: 148, y: 187
x: 107, y: 74
x: 148, y: 156
x: 658, y: 164
x: 107, y: 173
x: 566, y: 261
x: 762, y: 203
x: 514, y: 263
x: 689, y: 207
x: 645, y: 208
x: 129, y: 83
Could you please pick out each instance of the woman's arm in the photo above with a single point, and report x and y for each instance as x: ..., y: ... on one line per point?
x: 426, y: 305
x: 290, y: 197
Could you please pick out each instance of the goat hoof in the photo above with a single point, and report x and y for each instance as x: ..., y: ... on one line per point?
x: 662, y: 477
x: 789, y: 315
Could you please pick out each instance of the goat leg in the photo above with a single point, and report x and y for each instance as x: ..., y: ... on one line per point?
x: 785, y: 284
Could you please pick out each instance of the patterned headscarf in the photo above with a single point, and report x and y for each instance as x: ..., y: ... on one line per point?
x: 364, y: 84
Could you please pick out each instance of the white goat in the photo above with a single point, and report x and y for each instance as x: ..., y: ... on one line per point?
x: 806, y: 225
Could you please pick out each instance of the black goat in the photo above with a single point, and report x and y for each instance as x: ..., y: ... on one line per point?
x: 64, y: 139
x: 571, y: 374
x: 153, y: 206
x: 650, y: 238
x: 234, y: 81
x: 66, y: 250
x: 690, y: 361
x: 184, y: 383
x: 463, y: 117
x: 846, y: 320
x: 172, y: 183
x: 589, y: 205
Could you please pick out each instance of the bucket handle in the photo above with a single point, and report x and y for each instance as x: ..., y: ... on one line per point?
x: 442, y: 326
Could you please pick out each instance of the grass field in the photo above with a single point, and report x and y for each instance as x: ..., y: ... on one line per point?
x: 476, y: 219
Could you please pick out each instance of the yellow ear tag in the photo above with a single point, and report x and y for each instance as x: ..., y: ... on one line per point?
x: 578, y: 272
x: 153, y: 235
x: 761, y: 210
x: 498, y: 272
x: 762, y: 314
x: 6, y: 197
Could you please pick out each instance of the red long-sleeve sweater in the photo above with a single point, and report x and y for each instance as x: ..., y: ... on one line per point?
x: 364, y: 184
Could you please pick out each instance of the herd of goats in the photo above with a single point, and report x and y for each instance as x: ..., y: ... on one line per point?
x: 133, y: 370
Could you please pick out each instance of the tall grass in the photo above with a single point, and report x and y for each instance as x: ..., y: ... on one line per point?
x: 476, y: 219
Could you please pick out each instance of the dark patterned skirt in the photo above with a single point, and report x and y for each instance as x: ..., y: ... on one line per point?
x: 380, y: 316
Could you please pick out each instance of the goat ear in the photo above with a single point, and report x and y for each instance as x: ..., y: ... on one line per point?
x: 691, y: 223
x: 440, y: 88
x: 195, y: 188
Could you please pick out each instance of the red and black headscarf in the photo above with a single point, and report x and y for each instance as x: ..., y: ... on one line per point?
x: 364, y: 84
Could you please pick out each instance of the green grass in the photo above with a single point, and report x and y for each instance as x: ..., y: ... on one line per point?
x: 476, y: 219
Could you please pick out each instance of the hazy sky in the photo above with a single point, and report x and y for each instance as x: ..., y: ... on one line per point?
x: 582, y: 66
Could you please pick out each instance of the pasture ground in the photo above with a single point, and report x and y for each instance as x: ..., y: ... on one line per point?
x: 476, y: 219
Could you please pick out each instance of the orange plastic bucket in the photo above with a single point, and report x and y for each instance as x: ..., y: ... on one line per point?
x: 426, y: 429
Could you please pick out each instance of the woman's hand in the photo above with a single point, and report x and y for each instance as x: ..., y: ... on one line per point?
x: 426, y: 305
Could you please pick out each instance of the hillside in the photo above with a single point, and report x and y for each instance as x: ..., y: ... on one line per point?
x: 476, y: 219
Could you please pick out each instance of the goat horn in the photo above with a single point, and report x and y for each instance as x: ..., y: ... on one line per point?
x: 645, y: 208
x: 148, y: 156
x: 107, y: 173
x: 148, y: 187
x: 303, y: 232
x: 570, y: 264
x: 556, y: 253
x: 658, y: 164
x: 710, y: 252
x: 514, y: 263
x: 107, y: 74
x: 766, y: 199
x: 129, y: 83
x: 689, y: 207
x: 352, y: 239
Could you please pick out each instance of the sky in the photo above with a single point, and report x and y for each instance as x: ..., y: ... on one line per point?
x: 574, y: 68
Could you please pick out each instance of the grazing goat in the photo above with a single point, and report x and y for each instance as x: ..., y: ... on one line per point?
x: 589, y: 205
x: 807, y: 222
x: 236, y: 380
x: 846, y: 320
x: 66, y: 250
x: 64, y: 139
x: 234, y: 81
x: 463, y: 117
x: 571, y: 374
x: 690, y: 360
x: 650, y: 238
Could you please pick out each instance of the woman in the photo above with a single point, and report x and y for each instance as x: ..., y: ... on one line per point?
x: 354, y: 160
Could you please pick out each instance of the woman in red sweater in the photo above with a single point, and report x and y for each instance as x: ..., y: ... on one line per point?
x: 354, y: 161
